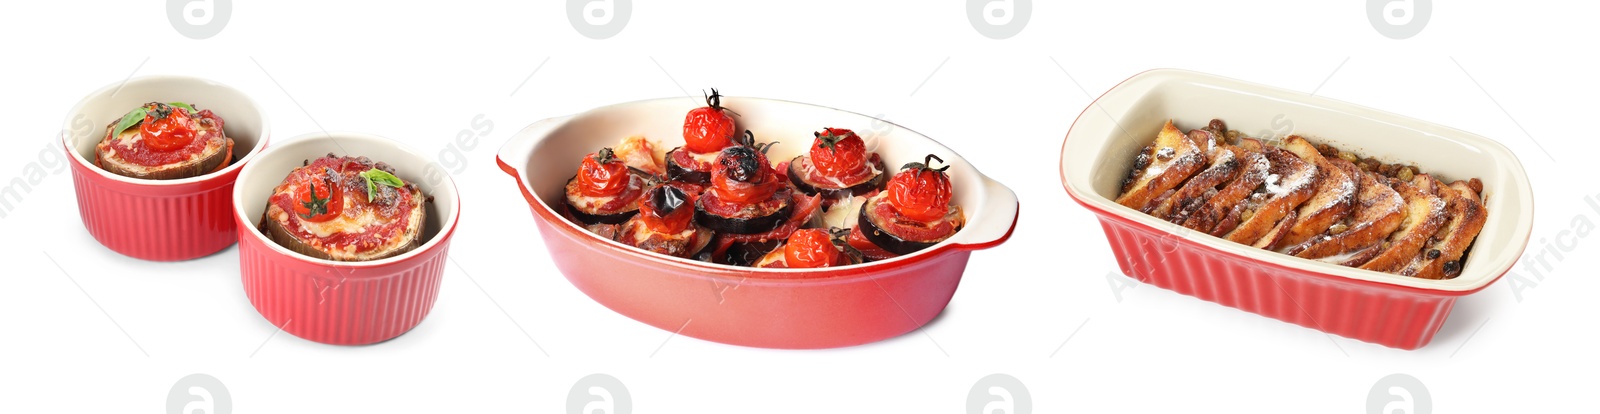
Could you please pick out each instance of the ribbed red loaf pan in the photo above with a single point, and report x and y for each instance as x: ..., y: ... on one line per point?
x: 1391, y: 310
x: 160, y: 220
x: 343, y: 303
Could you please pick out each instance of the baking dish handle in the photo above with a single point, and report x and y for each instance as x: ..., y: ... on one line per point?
x: 516, y: 153
x: 995, y: 220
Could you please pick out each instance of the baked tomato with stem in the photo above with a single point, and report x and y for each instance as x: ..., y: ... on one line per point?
x: 603, y: 175
x: 709, y: 128
x: 812, y: 248
x: 839, y: 153
x: 167, y: 127
x: 921, y: 192
x: 742, y: 175
x: 667, y: 209
x: 319, y: 199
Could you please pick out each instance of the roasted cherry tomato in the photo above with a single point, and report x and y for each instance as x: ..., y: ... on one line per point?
x: 663, y: 210
x: 319, y: 199
x: 167, y: 127
x: 810, y: 248
x: 921, y: 192
x: 709, y: 128
x: 742, y: 175
x: 838, y: 152
x: 603, y: 175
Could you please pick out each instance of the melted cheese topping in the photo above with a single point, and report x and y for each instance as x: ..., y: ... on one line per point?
x: 344, y: 223
x: 708, y: 158
x: 133, y: 136
x: 638, y: 152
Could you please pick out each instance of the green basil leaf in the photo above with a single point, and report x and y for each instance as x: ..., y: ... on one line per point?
x: 184, y: 106
x: 133, y: 118
x: 375, y: 177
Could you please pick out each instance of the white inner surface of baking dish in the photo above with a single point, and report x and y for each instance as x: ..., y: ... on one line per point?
x: 242, y: 119
x: 555, y: 157
x: 257, y: 181
x: 1101, y: 146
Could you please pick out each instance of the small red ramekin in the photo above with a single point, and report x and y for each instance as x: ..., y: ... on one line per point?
x: 1392, y: 310
x: 769, y: 308
x: 342, y: 303
x: 161, y: 220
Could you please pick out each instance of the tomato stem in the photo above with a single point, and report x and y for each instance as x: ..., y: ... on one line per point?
x: 927, y: 164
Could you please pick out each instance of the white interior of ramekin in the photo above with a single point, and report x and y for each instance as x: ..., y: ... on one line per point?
x: 257, y: 180
x: 242, y: 119
x: 1100, y: 148
x: 555, y: 158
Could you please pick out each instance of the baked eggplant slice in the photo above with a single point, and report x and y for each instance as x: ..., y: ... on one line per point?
x: 666, y: 225
x: 877, y: 222
x: 606, y: 189
x: 685, y: 166
x: 752, y: 219
x: 161, y: 141
x: 746, y: 195
x: 592, y: 210
x: 346, y: 209
x: 799, y: 176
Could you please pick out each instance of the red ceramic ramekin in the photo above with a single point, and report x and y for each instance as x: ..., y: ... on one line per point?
x: 342, y: 303
x: 772, y: 308
x: 1396, y: 311
x: 163, y: 220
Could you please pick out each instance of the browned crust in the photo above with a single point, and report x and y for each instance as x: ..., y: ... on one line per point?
x: 209, y: 161
x: 1363, y: 255
x: 1174, y: 154
x: 1193, y: 194
x: 1424, y: 214
x: 1377, y: 214
x: 1276, y: 234
x: 1467, y: 217
x: 1253, y: 171
x: 1289, y: 168
x: 277, y: 232
x: 1334, y: 199
x: 667, y: 244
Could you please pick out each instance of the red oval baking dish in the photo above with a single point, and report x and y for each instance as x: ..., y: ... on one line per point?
x: 771, y: 308
x: 343, y: 303
x: 161, y: 220
x: 1397, y: 311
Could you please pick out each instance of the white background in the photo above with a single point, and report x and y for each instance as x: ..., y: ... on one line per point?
x: 112, y: 334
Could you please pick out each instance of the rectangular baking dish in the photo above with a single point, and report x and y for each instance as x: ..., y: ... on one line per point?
x: 1391, y: 310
